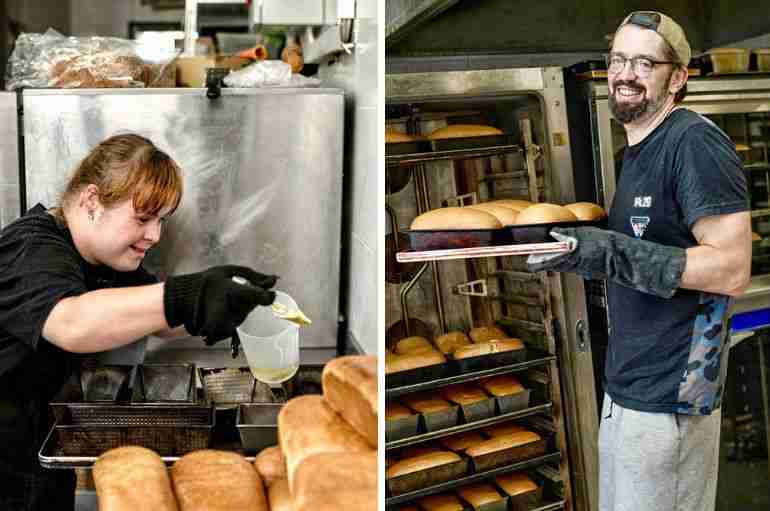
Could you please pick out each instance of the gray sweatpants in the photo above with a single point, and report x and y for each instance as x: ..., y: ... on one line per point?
x: 657, y: 461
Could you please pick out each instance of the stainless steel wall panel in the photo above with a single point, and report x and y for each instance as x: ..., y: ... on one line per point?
x: 9, y: 159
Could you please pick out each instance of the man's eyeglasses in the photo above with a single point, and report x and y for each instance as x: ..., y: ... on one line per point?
x: 642, y: 66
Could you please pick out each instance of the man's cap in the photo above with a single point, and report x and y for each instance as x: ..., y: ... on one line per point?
x: 667, y: 28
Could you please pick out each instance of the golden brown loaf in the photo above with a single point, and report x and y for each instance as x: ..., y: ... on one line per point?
x: 450, y: 341
x: 463, y: 131
x: 545, y: 213
x: 506, y: 216
x: 414, y: 344
x: 398, y: 363
x: 488, y: 348
x: 422, y: 462
x: 515, y: 483
x: 307, y: 426
x: 455, y: 219
x: 350, y: 389
x: 463, y: 394
x: 209, y: 480
x: 517, y: 204
x: 395, y: 411
x: 462, y: 441
x: 441, y: 502
x: 420, y: 449
x: 486, y: 333
x: 504, y: 429
x: 479, y: 494
x: 501, y: 385
x: 118, y: 473
x: 270, y: 465
x: 500, y: 443
x: 587, y: 211
x: 279, y: 497
x: 392, y: 136
x: 336, y: 482
x: 425, y: 402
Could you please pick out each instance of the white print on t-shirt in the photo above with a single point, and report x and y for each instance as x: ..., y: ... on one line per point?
x: 639, y: 224
x: 643, y: 202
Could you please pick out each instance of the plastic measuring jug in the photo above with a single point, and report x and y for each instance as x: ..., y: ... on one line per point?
x: 271, y: 344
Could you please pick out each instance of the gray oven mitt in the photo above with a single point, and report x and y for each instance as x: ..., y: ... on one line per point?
x: 599, y: 254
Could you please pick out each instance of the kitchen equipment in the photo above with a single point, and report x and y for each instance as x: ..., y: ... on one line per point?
x: 271, y: 344
x: 257, y: 425
x: 395, y: 241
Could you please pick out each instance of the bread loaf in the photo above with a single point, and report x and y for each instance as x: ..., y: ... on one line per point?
x: 279, y: 497
x: 463, y: 131
x: 501, y: 385
x: 486, y: 333
x: 398, y: 363
x: 270, y: 465
x: 545, y: 213
x: 587, y: 211
x: 463, y: 394
x: 414, y: 344
x: 413, y: 451
x: 504, y: 429
x: 450, y: 341
x: 515, y: 483
x: 479, y: 494
x: 500, y: 443
x: 462, y: 441
x: 336, y: 482
x: 307, y: 426
x: 119, y: 472
x: 425, y: 402
x: 441, y: 502
x: 395, y: 411
x: 517, y: 204
x: 209, y: 480
x: 392, y: 136
x: 423, y: 462
x: 506, y: 216
x: 350, y: 389
x: 455, y: 219
x: 487, y: 348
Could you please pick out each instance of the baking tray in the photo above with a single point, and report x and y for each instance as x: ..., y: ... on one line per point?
x: 479, y: 410
x: 436, y: 421
x: 429, y: 477
x: 465, y: 143
x: 393, y: 499
x: 481, y: 362
x: 104, y: 383
x: 418, y: 375
x: 504, y: 457
x: 227, y: 387
x: 411, y: 147
x: 165, y: 439
x: 404, y: 427
x: 257, y: 425
x: 540, y: 233
x: 447, y: 239
x: 132, y: 414
x: 513, y: 402
x: 164, y: 383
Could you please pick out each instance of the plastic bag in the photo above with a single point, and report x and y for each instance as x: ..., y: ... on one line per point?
x: 261, y: 74
x: 53, y: 60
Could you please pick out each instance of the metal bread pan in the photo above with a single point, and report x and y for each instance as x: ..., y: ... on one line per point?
x: 504, y: 358
x: 230, y: 386
x: 498, y: 505
x: 417, y: 375
x: 465, y: 143
x: 513, y: 402
x: 104, y: 383
x: 257, y: 425
x: 507, y: 456
x: 479, y: 410
x: 429, y: 477
x: 412, y: 147
x: 436, y: 421
x: 396, y: 429
x: 527, y: 500
x: 164, y: 383
x: 443, y: 239
x: 540, y: 233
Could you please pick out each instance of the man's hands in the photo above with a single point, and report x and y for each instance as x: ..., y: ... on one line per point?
x: 639, y: 264
x: 211, y: 304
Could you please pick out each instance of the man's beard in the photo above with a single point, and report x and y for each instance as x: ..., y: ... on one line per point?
x: 628, y: 113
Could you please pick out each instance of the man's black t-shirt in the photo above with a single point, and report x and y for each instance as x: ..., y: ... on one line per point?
x: 39, y: 265
x: 665, y: 355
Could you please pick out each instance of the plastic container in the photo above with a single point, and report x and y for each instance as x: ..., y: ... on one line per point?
x: 763, y: 59
x: 729, y: 60
x: 271, y: 344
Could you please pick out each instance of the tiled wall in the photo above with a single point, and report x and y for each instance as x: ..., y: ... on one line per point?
x: 358, y: 74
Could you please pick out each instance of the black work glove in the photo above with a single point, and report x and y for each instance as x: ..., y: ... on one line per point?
x: 211, y: 304
x: 598, y: 254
